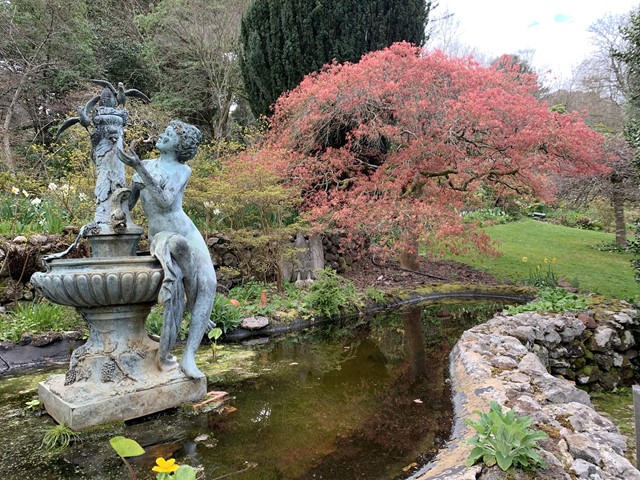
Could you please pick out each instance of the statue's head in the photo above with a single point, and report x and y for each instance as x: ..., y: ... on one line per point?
x: 190, y: 138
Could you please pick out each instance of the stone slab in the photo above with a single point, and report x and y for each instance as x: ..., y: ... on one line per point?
x: 119, y: 405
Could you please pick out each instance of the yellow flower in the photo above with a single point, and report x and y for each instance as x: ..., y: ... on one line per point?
x: 165, y: 466
x: 15, y: 190
x: 525, y: 259
x: 546, y: 260
x: 554, y: 260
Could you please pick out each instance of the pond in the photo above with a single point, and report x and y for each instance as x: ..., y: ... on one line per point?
x: 369, y: 401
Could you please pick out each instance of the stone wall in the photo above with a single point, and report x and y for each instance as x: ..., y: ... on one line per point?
x: 20, y: 257
x: 509, y: 360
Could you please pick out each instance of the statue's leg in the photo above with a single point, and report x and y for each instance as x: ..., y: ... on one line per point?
x: 200, y: 319
x: 169, y: 335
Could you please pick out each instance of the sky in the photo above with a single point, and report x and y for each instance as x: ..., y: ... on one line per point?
x: 556, y: 30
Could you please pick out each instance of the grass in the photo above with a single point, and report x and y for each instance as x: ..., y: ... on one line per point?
x: 605, y: 273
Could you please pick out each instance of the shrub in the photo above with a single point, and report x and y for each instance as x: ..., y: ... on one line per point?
x: 330, y: 294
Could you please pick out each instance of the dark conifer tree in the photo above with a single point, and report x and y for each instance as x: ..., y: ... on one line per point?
x: 283, y: 40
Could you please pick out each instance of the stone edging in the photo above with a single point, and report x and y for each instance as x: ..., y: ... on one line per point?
x: 496, y: 361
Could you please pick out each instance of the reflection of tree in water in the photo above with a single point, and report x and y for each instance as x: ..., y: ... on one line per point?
x: 401, y: 428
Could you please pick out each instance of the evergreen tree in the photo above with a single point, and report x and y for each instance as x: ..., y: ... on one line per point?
x: 283, y: 40
x: 630, y: 55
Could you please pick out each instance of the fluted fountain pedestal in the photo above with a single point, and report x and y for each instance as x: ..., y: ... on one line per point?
x: 115, y: 375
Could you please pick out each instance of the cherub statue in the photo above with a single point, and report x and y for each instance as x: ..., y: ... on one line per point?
x: 176, y: 242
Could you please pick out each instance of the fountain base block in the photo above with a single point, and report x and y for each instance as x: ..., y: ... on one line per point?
x: 81, y: 405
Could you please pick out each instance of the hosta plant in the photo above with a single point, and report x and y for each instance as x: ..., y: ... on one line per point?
x: 504, y: 439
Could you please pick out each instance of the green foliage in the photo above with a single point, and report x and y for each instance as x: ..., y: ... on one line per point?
x: 332, y: 294
x: 284, y: 41
x: 224, y: 314
x: 552, y: 300
x: 33, y: 405
x: 634, y: 249
x: 376, y: 295
x: 291, y: 303
x: 58, y: 438
x: 504, y: 439
x: 27, y: 206
x: 543, y: 275
x: 38, y: 317
x: 612, y: 247
x: 153, y: 323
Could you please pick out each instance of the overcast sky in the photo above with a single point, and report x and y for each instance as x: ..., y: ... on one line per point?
x: 555, y: 29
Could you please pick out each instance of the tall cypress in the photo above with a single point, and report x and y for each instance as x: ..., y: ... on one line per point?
x: 284, y: 40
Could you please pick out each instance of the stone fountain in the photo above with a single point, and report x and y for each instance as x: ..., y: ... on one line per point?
x: 116, y: 374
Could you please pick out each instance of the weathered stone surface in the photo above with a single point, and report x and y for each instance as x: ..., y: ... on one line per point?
x: 583, y: 469
x: 254, y: 323
x: 83, y: 405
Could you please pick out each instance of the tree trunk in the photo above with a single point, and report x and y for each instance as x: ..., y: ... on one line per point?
x: 617, y: 201
x: 7, y: 157
x: 414, y: 341
x: 409, y: 257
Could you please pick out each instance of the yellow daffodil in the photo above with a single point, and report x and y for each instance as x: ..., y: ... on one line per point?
x: 554, y: 260
x: 525, y: 259
x: 546, y: 260
x: 15, y: 190
x: 165, y: 466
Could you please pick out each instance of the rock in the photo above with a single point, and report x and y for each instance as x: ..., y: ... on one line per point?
x: 46, y: 339
x: 580, y: 447
x: 583, y: 469
x: 588, y: 321
x: 530, y: 364
x: 618, y: 466
x: 254, y: 323
x: 604, y: 338
x: 38, y: 239
x: 504, y: 363
x: 20, y: 240
x: 623, y: 318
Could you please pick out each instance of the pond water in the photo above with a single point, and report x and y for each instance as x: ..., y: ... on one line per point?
x: 370, y: 401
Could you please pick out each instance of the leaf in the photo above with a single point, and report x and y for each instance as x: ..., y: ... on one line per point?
x: 475, y: 455
x: 504, y: 462
x: 126, y: 447
x: 185, y: 472
x: 214, y: 333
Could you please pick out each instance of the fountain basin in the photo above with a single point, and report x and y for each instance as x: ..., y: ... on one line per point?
x: 91, y: 282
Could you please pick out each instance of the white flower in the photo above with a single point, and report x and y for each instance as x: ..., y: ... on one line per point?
x: 216, y: 211
x: 65, y: 188
x: 53, y: 187
x: 36, y: 201
x: 15, y: 190
x: 82, y: 197
x: 25, y: 193
x: 208, y: 204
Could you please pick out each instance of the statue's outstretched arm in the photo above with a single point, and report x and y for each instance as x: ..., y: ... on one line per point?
x: 164, y: 194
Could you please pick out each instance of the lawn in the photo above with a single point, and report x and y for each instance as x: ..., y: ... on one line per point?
x: 525, y: 244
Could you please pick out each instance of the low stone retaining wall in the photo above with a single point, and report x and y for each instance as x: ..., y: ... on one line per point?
x: 508, y: 360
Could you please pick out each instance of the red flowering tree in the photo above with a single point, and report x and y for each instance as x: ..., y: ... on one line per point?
x: 398, y: 144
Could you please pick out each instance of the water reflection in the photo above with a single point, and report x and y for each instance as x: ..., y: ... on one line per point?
x: 331, y: 404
